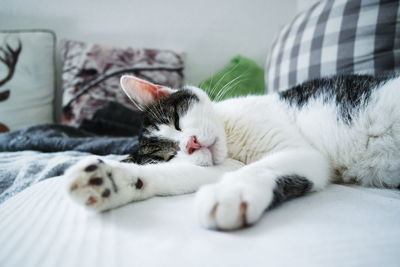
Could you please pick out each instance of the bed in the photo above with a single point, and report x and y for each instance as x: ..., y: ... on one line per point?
x: 346, y: 225
x: 342, y: 226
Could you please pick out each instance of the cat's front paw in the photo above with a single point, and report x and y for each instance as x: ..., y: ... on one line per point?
x: 231, y: 204
x: 101, y: 185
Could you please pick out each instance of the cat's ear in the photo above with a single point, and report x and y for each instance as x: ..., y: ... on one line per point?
x: 141, y: 92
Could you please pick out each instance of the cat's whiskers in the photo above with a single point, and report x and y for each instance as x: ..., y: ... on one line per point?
x: 230, y: 89
x: 151, y: 111
x: 240, y: 78
x: 215, y: 87
x: 160, y: 112
x: 214, y: 93
x: 229, y: 86
x: 226, y: 89
x: 202, y: 85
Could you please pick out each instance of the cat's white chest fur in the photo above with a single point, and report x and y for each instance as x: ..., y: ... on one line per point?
x: 265, y: 131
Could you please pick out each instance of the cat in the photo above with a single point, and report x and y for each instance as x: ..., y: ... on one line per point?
x: 249, y: 154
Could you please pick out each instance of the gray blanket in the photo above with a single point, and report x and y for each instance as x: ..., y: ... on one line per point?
x: 23, y: 163
x: 19, y: 170
x: 56, y: 137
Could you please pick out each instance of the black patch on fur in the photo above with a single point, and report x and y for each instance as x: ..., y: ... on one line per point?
x: 168, y: 110
x: 349, y: 92
x: 288, y: 187
x: 109, y: 175
x: 153, y: 150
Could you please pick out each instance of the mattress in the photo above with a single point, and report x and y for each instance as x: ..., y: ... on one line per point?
x: 342, y: 226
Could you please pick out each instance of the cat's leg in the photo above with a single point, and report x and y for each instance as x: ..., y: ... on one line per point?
x: 101, y: 184
x: 242, y: 196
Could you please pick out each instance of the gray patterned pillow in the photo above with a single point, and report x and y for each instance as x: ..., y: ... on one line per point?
x: 91, y: 75
x: 335, y: 37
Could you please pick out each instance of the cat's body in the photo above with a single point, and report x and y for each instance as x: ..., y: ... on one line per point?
x: 361, y: 144
x: 343, y: 129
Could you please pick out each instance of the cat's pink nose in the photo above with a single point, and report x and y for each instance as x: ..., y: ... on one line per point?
x: 193, y: 145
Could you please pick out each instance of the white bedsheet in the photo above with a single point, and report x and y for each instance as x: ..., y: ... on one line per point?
x: 343, y: 226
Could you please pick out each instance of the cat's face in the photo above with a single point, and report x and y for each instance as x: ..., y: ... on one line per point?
x: 177, y: 123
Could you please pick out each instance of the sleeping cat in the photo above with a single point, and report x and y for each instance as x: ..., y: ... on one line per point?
x: 252, y: 153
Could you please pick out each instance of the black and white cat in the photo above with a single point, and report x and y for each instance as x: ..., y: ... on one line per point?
x: 252, y: 152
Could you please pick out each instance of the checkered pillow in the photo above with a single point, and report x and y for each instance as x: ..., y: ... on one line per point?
x: 334, y: 37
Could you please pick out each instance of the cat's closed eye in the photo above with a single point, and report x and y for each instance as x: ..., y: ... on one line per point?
x: 176, y: 122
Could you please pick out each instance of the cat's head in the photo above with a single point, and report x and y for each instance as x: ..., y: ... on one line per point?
x: 177, y: 123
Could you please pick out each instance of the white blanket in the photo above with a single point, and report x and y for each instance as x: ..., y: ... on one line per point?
x: 343, y: 226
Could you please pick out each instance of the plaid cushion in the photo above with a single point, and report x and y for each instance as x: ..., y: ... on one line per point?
x: 334, y: 37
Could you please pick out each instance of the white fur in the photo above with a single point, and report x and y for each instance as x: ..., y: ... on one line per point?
x: 272, y: 139
x: 182, y: 178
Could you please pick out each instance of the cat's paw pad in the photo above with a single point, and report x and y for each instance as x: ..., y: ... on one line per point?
x: 229, y: 205
x: 91, y: 183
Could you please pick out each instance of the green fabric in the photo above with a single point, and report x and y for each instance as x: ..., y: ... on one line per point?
x: 241, y: 77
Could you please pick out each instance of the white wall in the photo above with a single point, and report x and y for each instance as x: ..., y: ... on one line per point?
x: 209, y: 31
x: 305, y: 4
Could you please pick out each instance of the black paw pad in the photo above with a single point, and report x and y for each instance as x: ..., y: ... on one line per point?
x: 96, y: 181
x: 106, y: 193
x: 91, y: 168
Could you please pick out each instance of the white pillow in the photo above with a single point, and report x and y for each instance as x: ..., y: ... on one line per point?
x: 26, y: 98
